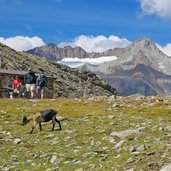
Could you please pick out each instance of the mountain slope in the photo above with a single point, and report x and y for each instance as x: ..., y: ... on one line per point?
x: 141, y: 68
x: 69, y: 82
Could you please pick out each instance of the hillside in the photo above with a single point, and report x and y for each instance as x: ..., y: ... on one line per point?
x: 69, y: 82
x: 100, y: 133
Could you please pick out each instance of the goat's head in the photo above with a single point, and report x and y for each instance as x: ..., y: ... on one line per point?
x: 24, y: 121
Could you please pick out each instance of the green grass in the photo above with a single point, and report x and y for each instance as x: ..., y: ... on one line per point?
x: 84, y: 141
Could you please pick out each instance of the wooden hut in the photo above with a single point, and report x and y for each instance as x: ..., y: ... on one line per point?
x: 7, y: 77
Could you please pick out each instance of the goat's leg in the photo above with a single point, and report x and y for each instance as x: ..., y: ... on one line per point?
x: 60, y: 128
x: 32, y: 130
x: 53, y: 123
x: 40, y: 126
x: 34, y: 124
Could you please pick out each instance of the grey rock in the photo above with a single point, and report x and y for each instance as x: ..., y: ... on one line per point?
x: 80, y: 169
x: 168, y: 128
x: 141, y: 148
x: 111, y: 116
x: 17, y: 141
x: 126, y: 133
x: 112, y: 140
x: 34, y: 164
x: 53, y: 159
x: 132, y: 149
x: 119, y: 144
x: 129, y: 169
x: 153, y: 164
x: 166, y: 168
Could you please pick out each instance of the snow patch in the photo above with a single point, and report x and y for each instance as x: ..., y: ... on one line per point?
x: 76, y: 62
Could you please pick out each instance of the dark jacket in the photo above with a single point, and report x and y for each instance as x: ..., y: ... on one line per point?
x: 30, y: 78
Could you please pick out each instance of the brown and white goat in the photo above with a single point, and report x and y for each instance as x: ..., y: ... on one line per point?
x: 43, y: 116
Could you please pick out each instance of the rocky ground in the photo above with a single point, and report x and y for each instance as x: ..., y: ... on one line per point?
x: 100, y: 133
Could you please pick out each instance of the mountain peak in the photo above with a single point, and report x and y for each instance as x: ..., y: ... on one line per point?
x: 145, y: 46
x: 143, y: 39
x: 145, y: 42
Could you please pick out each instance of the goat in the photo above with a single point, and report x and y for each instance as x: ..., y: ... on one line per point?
x: 43, y: 116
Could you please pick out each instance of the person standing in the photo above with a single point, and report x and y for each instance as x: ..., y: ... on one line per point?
x: 16, y: 86
x: 30, y: 82
x: 41, y: 84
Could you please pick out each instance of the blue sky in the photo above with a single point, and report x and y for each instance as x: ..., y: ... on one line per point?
x: 64, y: 21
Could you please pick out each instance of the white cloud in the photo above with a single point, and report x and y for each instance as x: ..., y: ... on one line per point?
x: 21, y: 43
x: 96, y: 44
x: 156, y: 7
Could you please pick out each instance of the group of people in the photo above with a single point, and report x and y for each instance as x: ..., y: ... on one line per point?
x: 30, y: 85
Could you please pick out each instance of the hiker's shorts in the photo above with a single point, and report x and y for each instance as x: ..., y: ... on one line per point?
x: 30, y: 87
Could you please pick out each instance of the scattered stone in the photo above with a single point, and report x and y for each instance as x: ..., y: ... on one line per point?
x: 168, y: 128
x: 17, y: 141
x: 53, y: 159
x: 129, y: 169
x: 166, y: 168
x: 124, y: 134
x: 153, y: 164
x: 111, y: 116
x: 80, y: 169
x: 102, y: 150
x: 34, y: 164
x: 161, y: 129
x: 151, y: 153
x: 103, y: 157
x: 130, y: 160
x: 132, y: 149
x: 141, y: 148
x: 119, y: 144
x: 112, y: 140
x: 29, y: 161
x: 136, y: 153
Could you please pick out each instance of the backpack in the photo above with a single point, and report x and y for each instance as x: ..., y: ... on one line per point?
x: 43, y: 81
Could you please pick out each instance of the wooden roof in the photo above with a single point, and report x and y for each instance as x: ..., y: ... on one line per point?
x: 17, y: 72
x: 12, y: 72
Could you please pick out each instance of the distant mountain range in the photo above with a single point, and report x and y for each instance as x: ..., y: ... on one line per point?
x: 139, y: 68
x: 53, y: 52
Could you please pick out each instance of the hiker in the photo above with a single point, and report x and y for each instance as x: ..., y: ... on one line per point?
x: 41, y: 85
x: 30, y: 83
x: 17, y: 86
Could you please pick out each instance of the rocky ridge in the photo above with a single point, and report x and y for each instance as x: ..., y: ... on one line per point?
x: 54, y: 53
